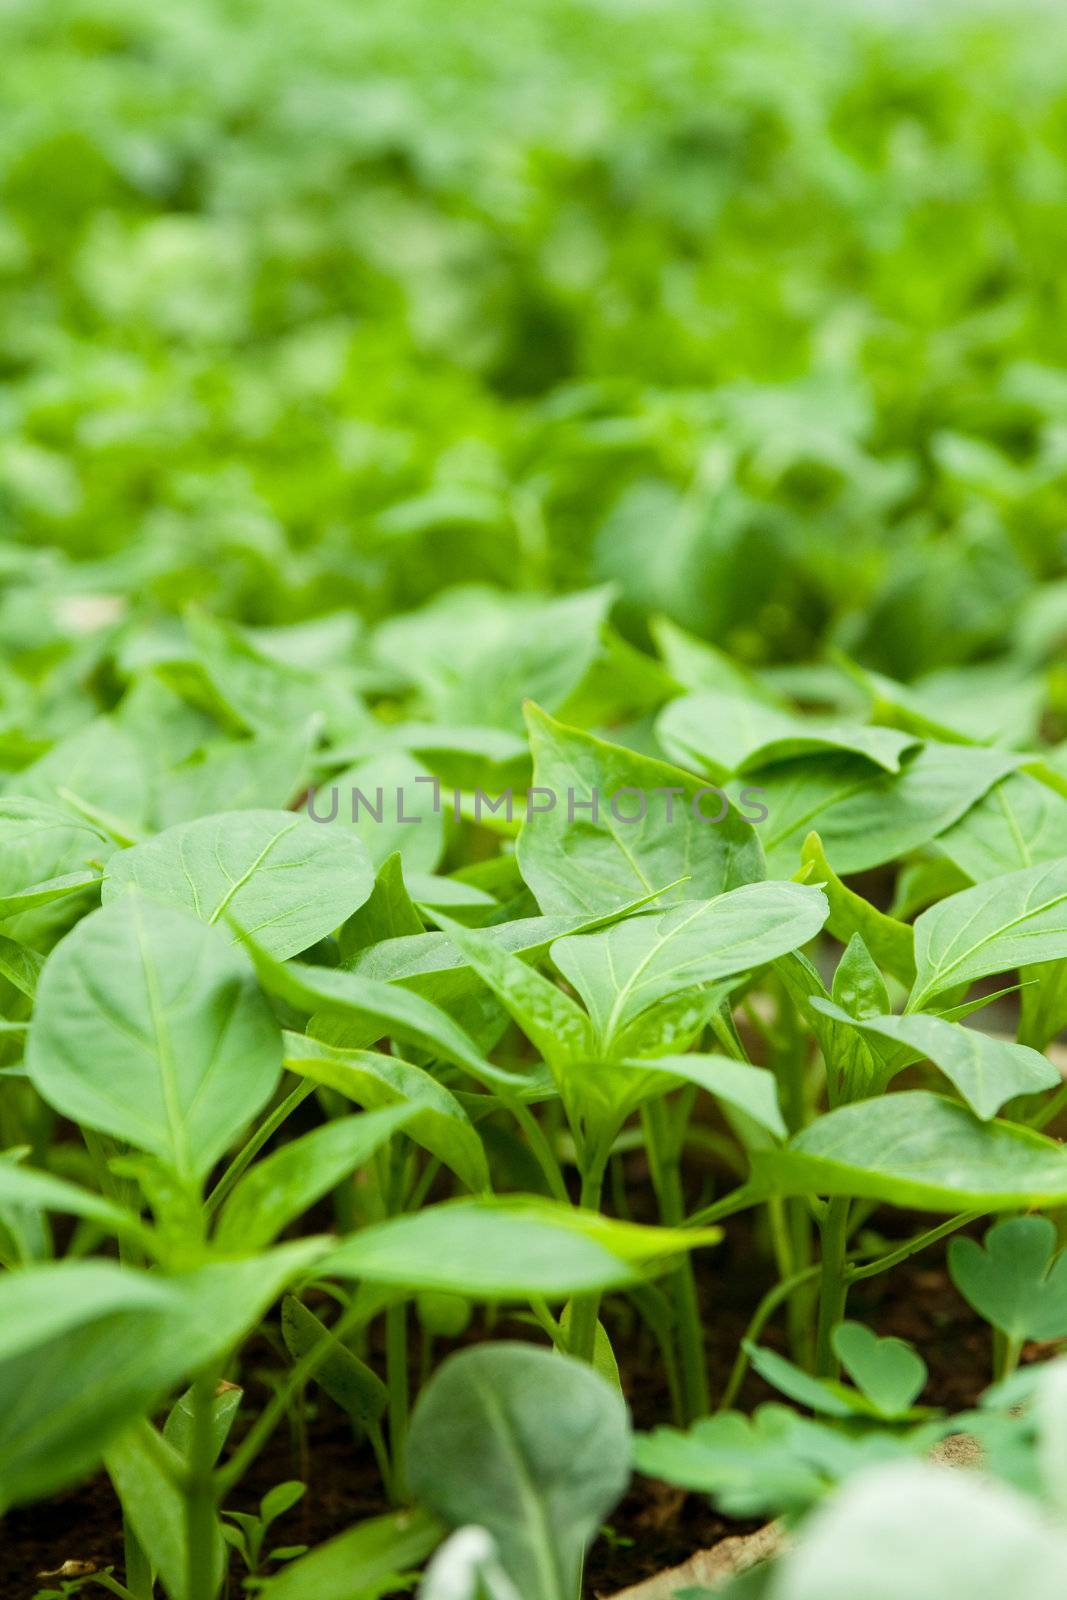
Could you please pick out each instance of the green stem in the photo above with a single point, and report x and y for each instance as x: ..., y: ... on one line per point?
x: 762, y: 1315
x: 396, y: 1362
x: 585, y: 1308
x: 201, y: 1522
x: 664, y: 1150
x: 1050, y: 1110
x: 541, y: 1149
x: 268, y: 1127
x: 227, y: 1477
x: 381, y: 1456
x: 739, y: 1199
x: 873, y: 1269
x: 1006, y: 1353
x: 833, y: 1287
x: 113, y: 1586
x: 548, y: 1323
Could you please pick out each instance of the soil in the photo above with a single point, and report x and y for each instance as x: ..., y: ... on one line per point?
x: 653, y: 1528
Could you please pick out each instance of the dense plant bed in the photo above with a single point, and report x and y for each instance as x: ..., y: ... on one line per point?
x: 423, y: 1097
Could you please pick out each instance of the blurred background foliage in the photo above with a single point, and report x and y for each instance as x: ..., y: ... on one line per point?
x: 755, y: 310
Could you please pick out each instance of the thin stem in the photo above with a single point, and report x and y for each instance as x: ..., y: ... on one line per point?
x: 201, y: 1522
x: 131, y: 1251
x: 417, y: 1198
x: 873, y: 1269
x: 541, y: 1150
x: 781, y: 1238
x: 112, y: 1585
x: 585, y: 1308
x: 737, y: 1200
x: 267, y: 1128
x: 396, y: 1362
x: 1006, y: 1353
x: 273, y: 1412
x: 381, y: 1456
x: 1050, y: 1110
x: 663, y: 1147
x: 833, y: 1288
x: 548, y: 1323
x: 762, y: 1315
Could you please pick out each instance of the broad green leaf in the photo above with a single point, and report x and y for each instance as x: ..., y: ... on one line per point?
x: 891, y: 943
x: 227, y: 673
x: 39, y: 842
x: 150, y: 1027
x: 889, y: 1371
x: 431, y: 964
x: 477, y: 655
x: 1012, y: 921
x: 386, y: 915
x: 919, y: 1150
x: 429, y: 889
x: 347, y: 1380
x: 918, y: 1530
x: 1017, y: 1279
x: 87, y: 1347
x: 529, y: 1445
x: 858, y: 986
x: 575, y: 862
x: 363, y: 1563
x: 29, y: 1188
x: 382, y: 802
x: 371, y: 1078
x: 864, y: 816
x: 1019, y: 823
x: 463, y: 756
x: 180, y: 1423
x: 287, y: 1182
x: 286, y: 881
x: 377, y: 1008
x: 508, y: 1250
x: 44, y: 1302
x: 549, y: 1018
x: 20, y: 965
x: 43, y: 894
x: 622, y: 971
x: 753, y: 1090
x: 699, y: 664
x: 100, y: 762
x: 721, y: 734
x: 817, y: 1394
x: 848, y: 1055
x: 266, y: 772
x: 987, y: 1072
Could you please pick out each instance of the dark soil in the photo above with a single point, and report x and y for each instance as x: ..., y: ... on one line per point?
x: 654, y: 1527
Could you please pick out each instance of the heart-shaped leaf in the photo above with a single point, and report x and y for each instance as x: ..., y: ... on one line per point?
x: 888, y: 1371
x: 1017, y: 1280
